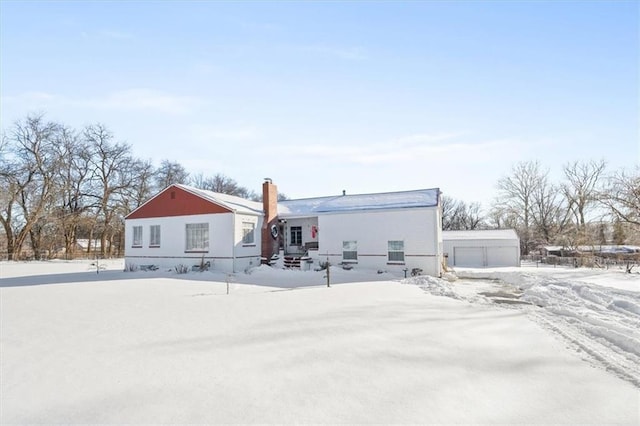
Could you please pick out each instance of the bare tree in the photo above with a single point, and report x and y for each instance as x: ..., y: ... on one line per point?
x: 138, y: 188
x: 450, y: 212
x: 548, y: 213
x: 58, y: 185
x: 199, y: 180
x: 169, y: 173
x: 618, y: 236
x: 474, y: 218
x: 501, y: 217
x: 255, y: 196
x: 225, y: 185
x: 622, y: 195
x: 10, y: 188
x: 458, y: 215
x: 72, y: 185
x: 110, y: 162
x: 220, y: 183
x: 27, y: 176
x: 141, y: 176
x: 581, y: 187
x: 516, y: 197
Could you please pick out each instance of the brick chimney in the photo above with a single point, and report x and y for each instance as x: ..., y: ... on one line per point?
x: 270, y: 207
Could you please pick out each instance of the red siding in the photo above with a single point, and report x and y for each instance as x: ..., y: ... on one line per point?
x: 181, y: 203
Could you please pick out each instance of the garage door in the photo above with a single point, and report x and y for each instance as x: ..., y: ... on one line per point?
x: 471, y: 257
x: 502, y: 256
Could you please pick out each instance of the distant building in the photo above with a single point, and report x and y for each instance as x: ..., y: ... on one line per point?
x: 482, y: 248
x: 605, y: 250
x: 82, y: 245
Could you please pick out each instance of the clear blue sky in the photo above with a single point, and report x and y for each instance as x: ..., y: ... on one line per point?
x: 326, y: 96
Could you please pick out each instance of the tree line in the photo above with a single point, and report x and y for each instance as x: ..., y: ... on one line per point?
x: 59, y: 184
x: 590, y: 205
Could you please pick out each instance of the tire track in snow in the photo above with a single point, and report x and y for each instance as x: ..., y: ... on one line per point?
x: 594, y: 352
x: 601, y: 323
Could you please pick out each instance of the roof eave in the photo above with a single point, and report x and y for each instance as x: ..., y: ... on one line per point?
x: 355, y: 210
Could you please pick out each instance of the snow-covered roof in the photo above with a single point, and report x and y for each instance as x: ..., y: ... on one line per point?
x: 598, y: 248
x: 347, y: 203
x: 233, y: 203
x: 481, y: 234
x: 555, y: 248
x: 617, y: 249
x: 84, y: 243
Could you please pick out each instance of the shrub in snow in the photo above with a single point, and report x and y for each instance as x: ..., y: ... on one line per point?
x: 202, y: 266
x: 130, y: 267
x: 181, y: 269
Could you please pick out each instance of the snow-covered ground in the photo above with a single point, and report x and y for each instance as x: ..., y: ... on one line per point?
x: 521, y: 345
x: 596, y: 311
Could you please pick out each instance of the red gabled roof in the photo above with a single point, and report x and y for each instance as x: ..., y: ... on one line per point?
x: 175, y: 201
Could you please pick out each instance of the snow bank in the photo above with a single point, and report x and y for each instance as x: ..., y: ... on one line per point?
x: 433, y: 285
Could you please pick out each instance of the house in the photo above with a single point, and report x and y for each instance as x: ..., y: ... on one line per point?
x: 86, y: 245
x: 187, y: 226
x: 386, y: 231
x: 482, y: 248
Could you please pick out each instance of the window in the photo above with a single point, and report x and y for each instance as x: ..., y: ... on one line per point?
x: 197, y: 236
x: 396, y: 251
x: 137, y: 236
x: 248, y: 232
x: 296, y: 236
x: 349, y: 250
x: 154, y: 236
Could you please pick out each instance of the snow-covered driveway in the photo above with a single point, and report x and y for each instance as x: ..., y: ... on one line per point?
x: 78, y: 347
x: 597, y: 312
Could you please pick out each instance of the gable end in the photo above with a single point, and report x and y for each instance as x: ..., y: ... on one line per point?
x: 175, y: 201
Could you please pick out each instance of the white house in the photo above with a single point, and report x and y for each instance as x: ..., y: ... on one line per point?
x: 482, y: 248
x: 187, y: 226
x: 388, y: 231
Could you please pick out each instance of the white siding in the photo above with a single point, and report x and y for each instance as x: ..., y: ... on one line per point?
x: 503, y: 256
x: 476, y: 252
x: 473, y: 257
x: 306, y: 224
x: 226, y: 251
x: 247, y: 255
x: 417, y: 227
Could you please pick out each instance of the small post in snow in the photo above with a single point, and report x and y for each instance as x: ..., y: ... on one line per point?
x: 328, y: 271
x: 228, y: 281
x: 97, y: 265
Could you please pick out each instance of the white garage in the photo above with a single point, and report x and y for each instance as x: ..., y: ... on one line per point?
x: 482, y: 248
